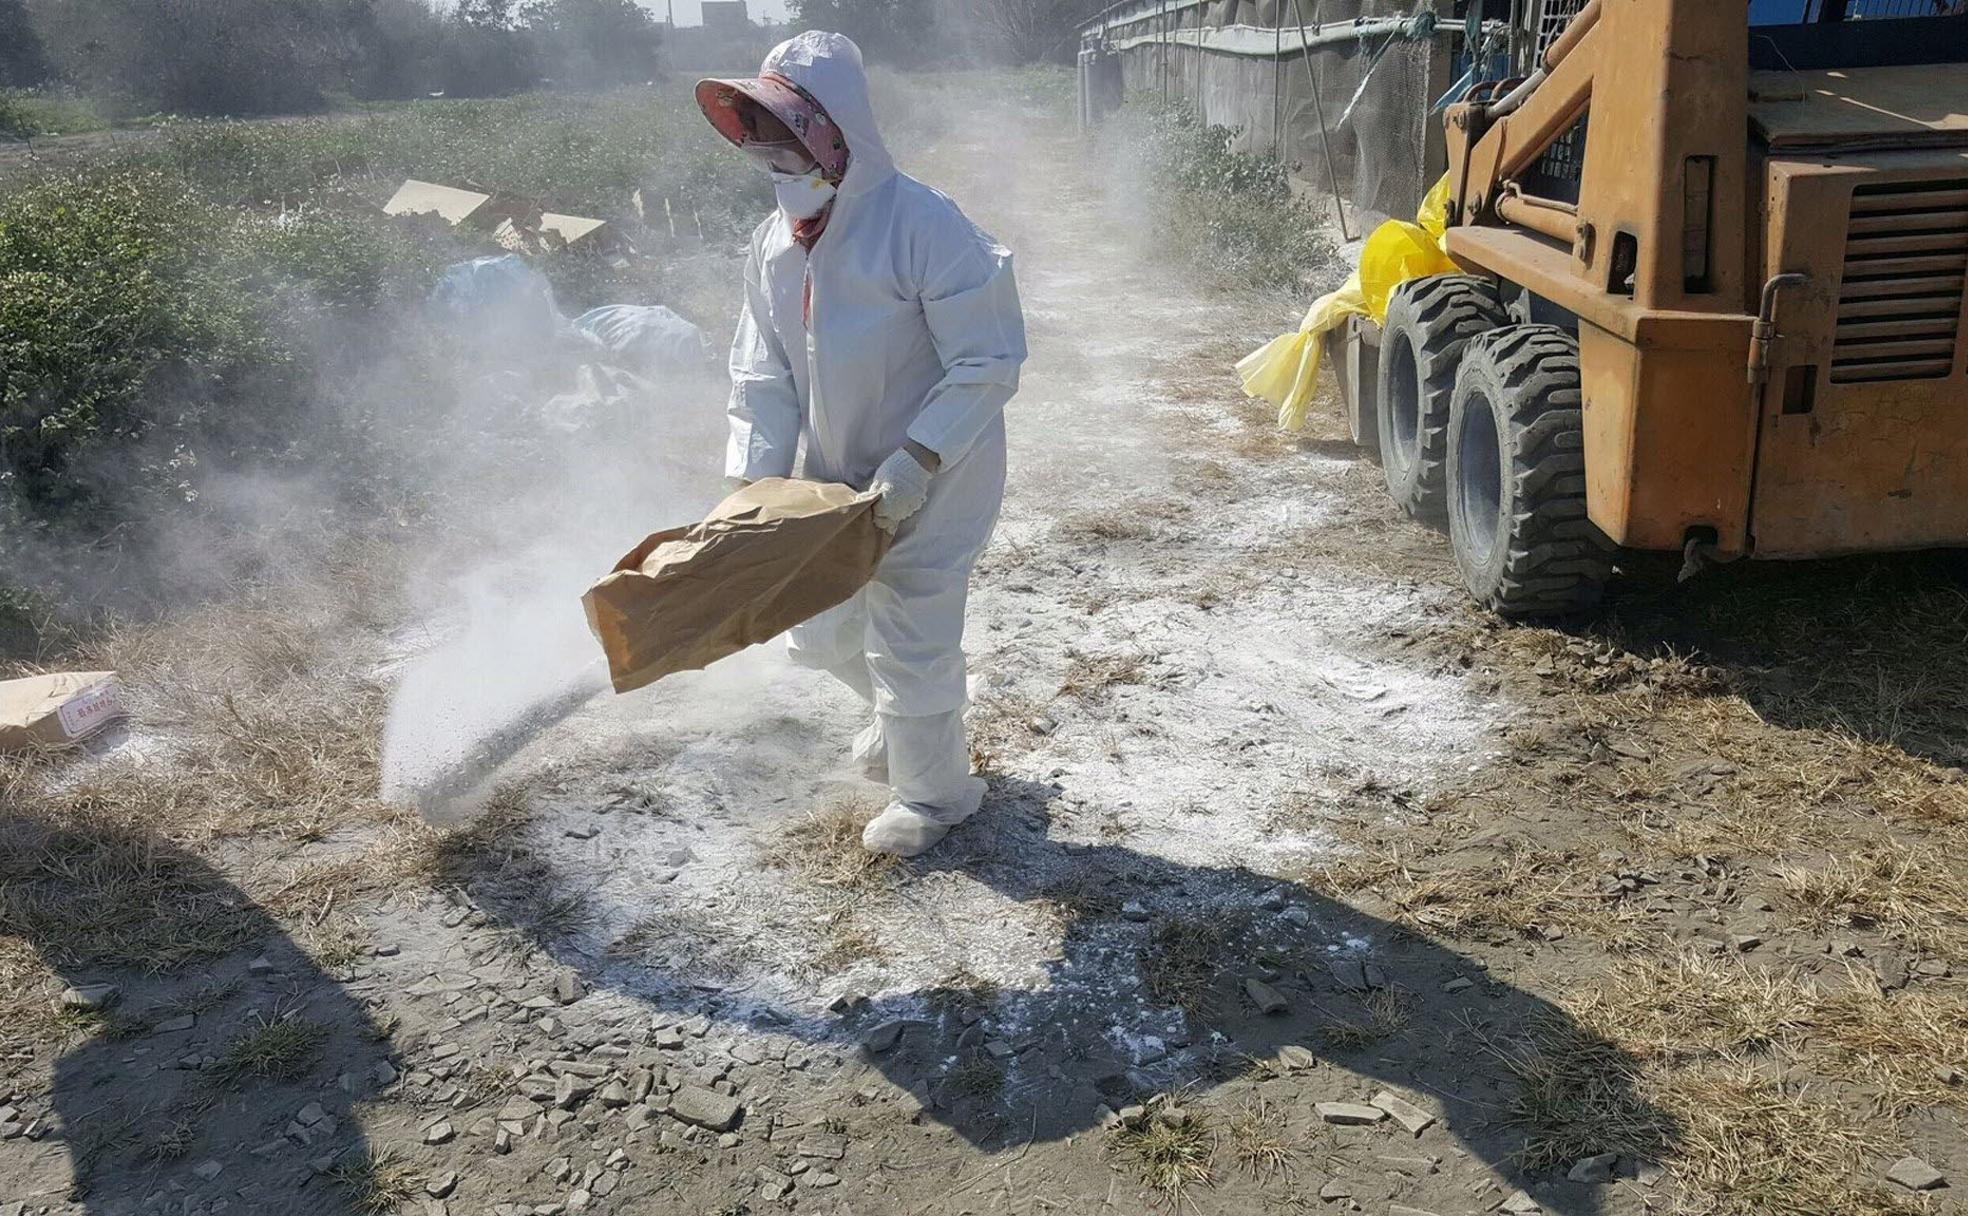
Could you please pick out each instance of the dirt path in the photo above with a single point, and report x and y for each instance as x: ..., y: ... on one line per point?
x: 1275, y: 823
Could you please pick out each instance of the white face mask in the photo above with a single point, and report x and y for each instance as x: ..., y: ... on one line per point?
x: 802, y: 196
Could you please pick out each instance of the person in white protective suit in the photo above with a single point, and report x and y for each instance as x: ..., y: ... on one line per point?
x: 882, y: 333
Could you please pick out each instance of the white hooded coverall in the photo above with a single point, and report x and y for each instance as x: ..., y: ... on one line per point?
x: 916, y: 334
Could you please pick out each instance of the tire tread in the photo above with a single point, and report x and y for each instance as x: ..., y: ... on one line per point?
x: 1556, y: 562
x: 1446, y: 312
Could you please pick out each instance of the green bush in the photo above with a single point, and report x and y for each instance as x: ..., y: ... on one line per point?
x: 1235, y: 211
x: 36, y: 112
x: 140, y: 324
x: 582, y: 154
x: 213, y: 304
x: 248, y: 57
x: 14, y: 118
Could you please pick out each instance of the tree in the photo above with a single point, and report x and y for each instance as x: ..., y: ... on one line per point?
x: 894, y: 31
x: 1027, y: 31
x: 593, y: 43
x: 21, y: 62
x: 203, y: 56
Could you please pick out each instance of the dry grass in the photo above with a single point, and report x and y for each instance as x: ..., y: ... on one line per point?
x: 276, y: 1048
x: 1206, y: 477
x: 1912, y: 893
x: 1133, y: 521
x: 1907, y: 1044
x: 1579, y: 1094
x: 1091, y: 678
x: 203, y: 999
x: 1167, y: 1160
x: 847, y: 944
x: 493, y: 847
x: 1738, y: 1078
x: 336, y: 941
x: 274, y: 728
x: 495, y: 857
x: 1385, y: 1014
x: 688, y: 941
x: 378, y: 1182
x: 1078, y: 895
x: 824, y: 851
x: 1181, y: 959
x: 1000, y: 730
x: 172, y: 1139
x: 263, y: 732
x: 1519, y: 889
x: 1691, y: 1004
x: 1764, y: 1147
x: 90, y: 885
x: 1368, y: 865
x: 978, y: 1077
x: 1259, y: 1143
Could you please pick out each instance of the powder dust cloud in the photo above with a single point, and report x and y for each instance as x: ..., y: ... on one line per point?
x: 505, y: 652
x: 519, y: 661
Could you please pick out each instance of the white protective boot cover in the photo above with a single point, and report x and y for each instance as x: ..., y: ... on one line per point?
x: 929, y: 774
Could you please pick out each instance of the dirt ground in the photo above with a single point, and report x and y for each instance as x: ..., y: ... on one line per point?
x: 1301, y: 885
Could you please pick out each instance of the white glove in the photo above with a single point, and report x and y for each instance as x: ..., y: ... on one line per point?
x: 903, y: 484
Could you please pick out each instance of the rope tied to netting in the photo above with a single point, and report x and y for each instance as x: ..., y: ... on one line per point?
x: 1420, y: 26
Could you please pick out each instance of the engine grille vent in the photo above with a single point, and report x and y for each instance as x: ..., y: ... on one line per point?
x: 1899, y: 304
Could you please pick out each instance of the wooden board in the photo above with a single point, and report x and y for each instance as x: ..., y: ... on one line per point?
x: 1895, y: 107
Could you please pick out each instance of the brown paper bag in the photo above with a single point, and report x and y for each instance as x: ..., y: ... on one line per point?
x: 774, y: 554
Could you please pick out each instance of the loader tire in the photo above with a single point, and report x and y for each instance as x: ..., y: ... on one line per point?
x: 1516, y: 476
x: 1429, y: 321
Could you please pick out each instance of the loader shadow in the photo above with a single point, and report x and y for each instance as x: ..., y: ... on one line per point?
x: 1509, y: 1075
x: 1876, y: 646
x: 203, y: 1060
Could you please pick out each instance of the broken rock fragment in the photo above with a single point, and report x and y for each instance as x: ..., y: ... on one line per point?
x: 1916, y: 1175
x: 90, y: 996
x: 1406, y: 1113
x: 1352, y: 1114
x: 1597, y: 1168
x: 886, y: 1035
x: 705, y: 1108
x: 1269, y: 1001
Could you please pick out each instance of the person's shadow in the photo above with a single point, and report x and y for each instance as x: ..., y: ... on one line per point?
x: 203, y: 1056
x: 1148, y: 995
x: 1505, y: 1073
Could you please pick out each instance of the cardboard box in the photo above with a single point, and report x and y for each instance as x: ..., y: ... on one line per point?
x: 454, y: 206
x: 58, y: 709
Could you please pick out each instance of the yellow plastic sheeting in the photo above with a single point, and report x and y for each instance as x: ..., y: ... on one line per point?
x: 1285, y: 370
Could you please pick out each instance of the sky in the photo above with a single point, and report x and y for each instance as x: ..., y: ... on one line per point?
x: 687, y: 12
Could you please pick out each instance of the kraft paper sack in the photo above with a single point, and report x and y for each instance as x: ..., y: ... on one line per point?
x: 774, y: 554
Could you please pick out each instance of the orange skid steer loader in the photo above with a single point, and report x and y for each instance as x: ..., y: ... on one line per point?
x: 1712, y: 303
